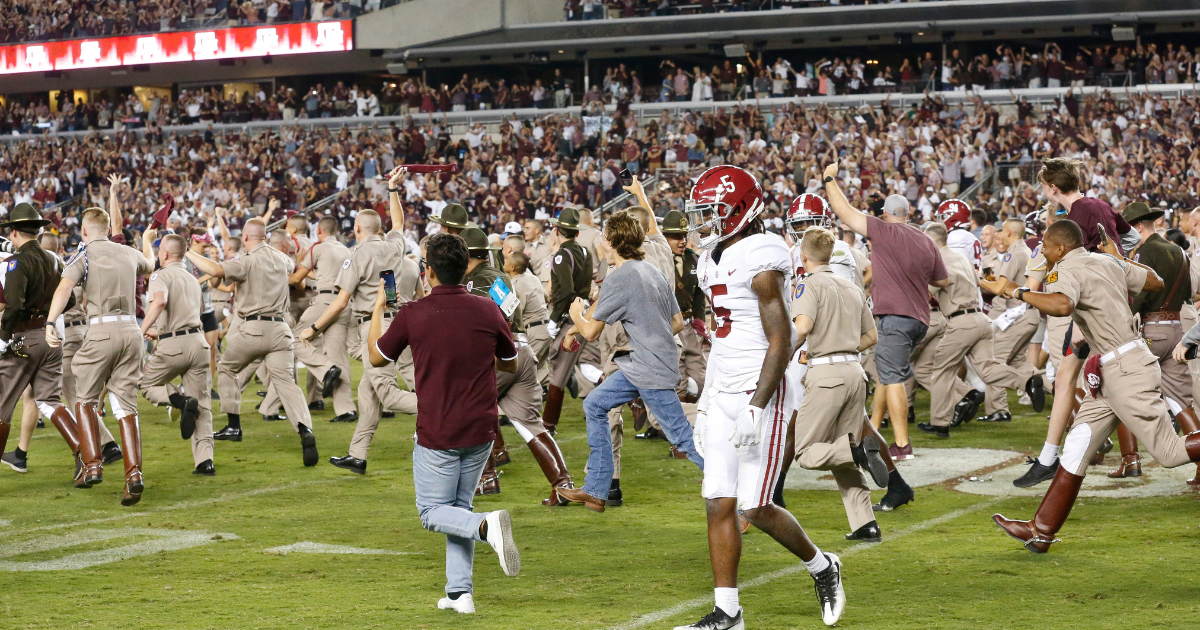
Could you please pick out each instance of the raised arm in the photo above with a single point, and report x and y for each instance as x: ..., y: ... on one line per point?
x: 852, y: 217
x: 395, y: 209
x: 115, y: 221
x: 205, y: 265
x: 635, y: 188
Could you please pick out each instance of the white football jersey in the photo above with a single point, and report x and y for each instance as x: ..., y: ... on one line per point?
x: 841, y: 262
x: 967, y: 244
x: 739, y: 343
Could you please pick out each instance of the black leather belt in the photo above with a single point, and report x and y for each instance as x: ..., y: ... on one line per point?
x: 934, y: 309
x: 532, y: 324
x: 368, y: 317
x: 325, y: 291
x: 965, y: 311
x: 179, y: 333
x: 28, y: 325
x: 262, y: 318
x: 620, y: 353
x: 78, y: 322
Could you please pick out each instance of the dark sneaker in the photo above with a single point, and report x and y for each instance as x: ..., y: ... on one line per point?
x: 901, y: 453
x: 831, y: 596
x: 867, y: 533
x: 997, y: 416
x: 717, y: 620
x: 19, y: 465
x: 353, y: 464
x: 1036, y: 474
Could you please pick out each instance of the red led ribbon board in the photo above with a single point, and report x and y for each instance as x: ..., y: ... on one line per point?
x: 225, y: 43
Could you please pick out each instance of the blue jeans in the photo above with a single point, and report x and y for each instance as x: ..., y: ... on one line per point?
x: 445, y: 483
x: 616, y: 390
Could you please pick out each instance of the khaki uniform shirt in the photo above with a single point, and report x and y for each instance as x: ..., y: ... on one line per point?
x: 590, y: 238
x: 408, y: 280
x: 182, y: 293
x: 963, y: 290
x: 1037, y: 267
x: 658, y: 253
x: 539, y: 254
x: 360, y: 272
x: 262, y: 274
x: 108, y: 274
x: 533, y: 298
x: 839, y: 312
x: 1012, y: 265
x: 1100, y: 286
x: 325, y: 259
x: 861, y: 262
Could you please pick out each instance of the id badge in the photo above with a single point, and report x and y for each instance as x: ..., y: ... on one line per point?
x: 505, y: 299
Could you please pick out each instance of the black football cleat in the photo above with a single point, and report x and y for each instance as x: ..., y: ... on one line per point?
x: 717, y: 620
x: 353, y: 464
x: 997, y: 416
x: 830, y: 594
x: 229, y: 434
x: 867, y: 533
x: 351, y: 416
x: 899, y: 493
x: 309, y: 443
x: 1036, y: 391
x: 1036, y: 474
x: 650, y: 434
x: 111, y: 453
x: 205, y: 468
x: 333, y: 377
x: 942, y: 432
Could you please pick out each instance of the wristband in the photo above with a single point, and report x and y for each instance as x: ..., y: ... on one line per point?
x: 394, y: 190
x: 315, y: 329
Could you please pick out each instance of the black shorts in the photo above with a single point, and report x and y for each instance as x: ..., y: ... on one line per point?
x: 208, y: 321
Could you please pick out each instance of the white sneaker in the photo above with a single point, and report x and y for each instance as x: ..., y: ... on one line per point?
x: 830, y: 594
x: 1023, y: 399
x: 465, y: 604
x: 499, y: 536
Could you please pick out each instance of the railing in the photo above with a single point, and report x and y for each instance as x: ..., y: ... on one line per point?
x: 319, y: 205
x: 984, y: 178
x: 621, y: 201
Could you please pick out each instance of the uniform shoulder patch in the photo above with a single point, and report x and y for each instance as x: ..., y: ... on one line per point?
x: 12, y: 264
x: 470, y: 285
x: 546, y: 264
x: 346, y: 264
x: 1007, y: 257
x: 154, y: 276
x: 799, y: 291
x: 558, y: 259
x: 1052, y: 277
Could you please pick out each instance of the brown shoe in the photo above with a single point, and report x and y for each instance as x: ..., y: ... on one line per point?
x: 131, y: 439
x: 1037, y: 535
x: 676, y: 453
x: 92, y: 470
x: 579, y: 496
x: 638, y: 410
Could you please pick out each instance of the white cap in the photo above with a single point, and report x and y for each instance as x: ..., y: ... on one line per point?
x: 512, y: 227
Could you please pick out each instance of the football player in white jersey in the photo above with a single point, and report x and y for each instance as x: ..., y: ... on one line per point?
x: 956, y: 215
x: 743, y: 413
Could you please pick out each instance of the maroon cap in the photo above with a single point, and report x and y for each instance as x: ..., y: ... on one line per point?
x: 159, y: 220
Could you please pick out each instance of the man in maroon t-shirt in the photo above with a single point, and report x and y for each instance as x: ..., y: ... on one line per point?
x: 458, y: 340
x: 1060, y: 185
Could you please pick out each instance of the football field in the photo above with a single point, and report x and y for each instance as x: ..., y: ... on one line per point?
x: 268, y: 543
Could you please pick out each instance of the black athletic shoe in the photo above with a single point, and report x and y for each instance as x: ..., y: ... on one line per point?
x: 998, y: 416
x: 19, y: 465
x: 867, y: 533
x: 41, y: 424
x: 353, y: 464
x: 317, y: 406
x: 717, y: 620
x: 504, y: 421
x: 189, y: 411
x: 333, y: 377
x: 309, y: 442
x: 830, y: 595
x: 111, y: 453
x: 346, y: 417
x: 228, y: 433
x: 1036, y: 474
x: 205, y: 468
x: 867, y: 457
x: 1037, y: 392
x: 942, y: 432
x: 388, y: 414
x: 274, y: 417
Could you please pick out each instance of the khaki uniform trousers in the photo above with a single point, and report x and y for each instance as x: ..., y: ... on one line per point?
x: 692, y: 361
x: 539, y: 342
x: 922, y: 362
x: 71, y: 342
x: 968, y: 336
x: 270, y: 342
x: 377, y: 392
x: 560, y: 363
x: 1009, y: 348
x: 1056, y: 335
x: 1187, y: 316
x: 186, y: 356
x: 42, y: 372
x: 325, y: 350
x: 589, y: 354
x: 520, y: 395
x: 829, y: 422
x: 111, y: 355
x: 1129, y: 395
x: 1162, y: 337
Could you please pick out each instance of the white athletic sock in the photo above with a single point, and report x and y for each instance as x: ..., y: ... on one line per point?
x: 818, y: 564
x: 1048, y: 455
x: 727, y: 600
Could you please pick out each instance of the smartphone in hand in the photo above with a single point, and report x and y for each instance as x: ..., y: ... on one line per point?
x: 389, y: 285
x: 626, y: 177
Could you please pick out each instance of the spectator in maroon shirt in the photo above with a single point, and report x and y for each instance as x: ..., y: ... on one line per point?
x: 458, y: 340
x: 1060, y: 185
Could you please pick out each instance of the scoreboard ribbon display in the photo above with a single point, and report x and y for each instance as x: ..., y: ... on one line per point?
x: 225, y: 43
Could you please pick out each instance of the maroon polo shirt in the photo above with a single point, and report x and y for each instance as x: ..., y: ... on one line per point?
x: 1087, y: 212
x: 455, y: 337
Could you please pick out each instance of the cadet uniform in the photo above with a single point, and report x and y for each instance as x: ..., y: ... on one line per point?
x: 262, y: 334
x: 830, y: 418
x: 922, y: 361
x: 325, y: 260
x: 111, y: 353
x: 377, y: 390
x: 691, y: 300
x: 540, y: 254
x: 1014, y: 322
x: 535, y: 317
x: 183, y: 351
x: 968, y: 334
x: 1128, y: 391
x: 570, y: 278
x: 31, y: 276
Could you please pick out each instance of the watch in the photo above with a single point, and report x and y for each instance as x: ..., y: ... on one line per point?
x: 315, y: 329
x: 828, y: 179
x: 1020, y: 291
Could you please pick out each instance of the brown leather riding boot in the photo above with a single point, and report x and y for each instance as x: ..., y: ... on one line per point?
x: 553, y: 408
x: 131, y: 440
x: 1190, y: 423
x: 62, y: 420
x: 500, y: 450
x: 88, y: 425
x: 1131, y: 462
x: 489, y: 482
x: 1037, y: 535
x: 549, y: 458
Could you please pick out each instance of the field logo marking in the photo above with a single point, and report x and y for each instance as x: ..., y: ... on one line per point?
x: 163, y: 540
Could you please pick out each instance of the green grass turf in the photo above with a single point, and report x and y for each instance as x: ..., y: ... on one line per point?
x: 1122, y: 563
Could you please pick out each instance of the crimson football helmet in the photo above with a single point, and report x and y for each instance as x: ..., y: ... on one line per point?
x: 1033, y: 223
x: 808, y: 210
x: 954, y: 213
x: 724, y: 200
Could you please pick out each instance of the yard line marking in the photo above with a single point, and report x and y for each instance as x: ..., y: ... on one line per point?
x: 685, y: 606
x: 312, y: 547
x: 162, y: 540
x: 183, y: 505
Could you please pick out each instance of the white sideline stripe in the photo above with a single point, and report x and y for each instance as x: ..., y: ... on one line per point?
x: 163, y: 540
x: 312, y: 547
x: 183, y: 505
x: 685, y: 606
